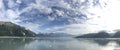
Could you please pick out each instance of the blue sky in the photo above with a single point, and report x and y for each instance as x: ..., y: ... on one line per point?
x: 65, y: 16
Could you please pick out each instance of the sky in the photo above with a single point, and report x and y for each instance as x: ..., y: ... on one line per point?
x: 62, y: 16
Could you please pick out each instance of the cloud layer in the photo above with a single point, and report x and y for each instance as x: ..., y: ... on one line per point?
x: 66, y: 16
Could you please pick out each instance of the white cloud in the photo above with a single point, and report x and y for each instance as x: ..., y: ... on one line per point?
x: 19, y: 1
x: 75, y: 29
x: 40, y: 7
x: 8, y: 15
x: 11, y: 3
x: 51, y: 18
x: 60, y: 13
x: 107, y: 17
x: 11, y: 14
x: 108, y: 12
x: 32, y: 26
x: 64, y: 4
x: 1, y: 4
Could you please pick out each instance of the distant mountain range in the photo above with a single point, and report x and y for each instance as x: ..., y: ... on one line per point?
x: 11, y: 29
x: 54, y: 35
x: 101, y: 34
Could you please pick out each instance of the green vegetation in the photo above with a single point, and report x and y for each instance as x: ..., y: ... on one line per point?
x: 10, y: 29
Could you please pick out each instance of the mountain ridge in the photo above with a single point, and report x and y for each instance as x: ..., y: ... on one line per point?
x: 54, y: 35
x: 102, y: 34
x: 11, y: 29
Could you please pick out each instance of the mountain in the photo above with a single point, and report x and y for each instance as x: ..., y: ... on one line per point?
x: 11, y: 29
x: 116, y: 35
x: 54, y: 35
x: 101, y: 34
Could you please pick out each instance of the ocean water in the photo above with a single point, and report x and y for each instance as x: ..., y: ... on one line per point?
x: 58, y: 44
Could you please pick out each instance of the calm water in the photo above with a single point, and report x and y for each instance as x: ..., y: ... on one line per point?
x: 58, y: 44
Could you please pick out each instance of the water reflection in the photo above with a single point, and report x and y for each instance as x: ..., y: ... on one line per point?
x: 58, y: 44
x: 13, y: 43
x: 105, y: 44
